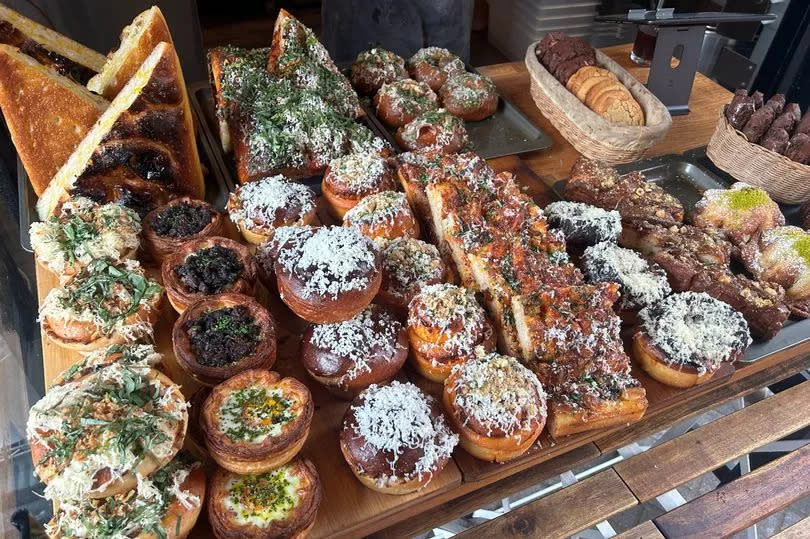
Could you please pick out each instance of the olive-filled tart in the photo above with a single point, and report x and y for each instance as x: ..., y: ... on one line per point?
x: 205, y: 267
x: 179, y: 221
x: 223, y: 335
x: 256, y: 421
x: 277, y: 504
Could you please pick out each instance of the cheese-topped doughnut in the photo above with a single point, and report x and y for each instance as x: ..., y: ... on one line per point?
x: 408, y: 265
x: 349, y: 179
x: 375, y: 67
x: 469, y: 96
x: 386, y: 215
x: 395, y: 438
x: 582, y: 223
x: 434, y: 130
x: 399, y: 102
x: 181, y: 220
x: 432, y: 65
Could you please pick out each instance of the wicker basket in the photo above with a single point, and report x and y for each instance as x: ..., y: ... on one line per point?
x: 587, y: 131
x: 785, y: 180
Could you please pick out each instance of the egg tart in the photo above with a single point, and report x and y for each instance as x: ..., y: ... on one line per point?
x: 350, y: 178
x: 408, y: 265
x: 220, y: 336
x: 179, y: 221
x: 90, y: 438
x: 205, y: 267
x: 256, y: 421
x: 432, y: 65
x: 277, y: 504
x: 386, y: 215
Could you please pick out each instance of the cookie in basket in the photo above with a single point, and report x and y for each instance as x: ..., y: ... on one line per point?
x: 585, y: 78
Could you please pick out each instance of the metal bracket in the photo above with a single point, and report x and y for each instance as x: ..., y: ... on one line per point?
x: 673, y: 85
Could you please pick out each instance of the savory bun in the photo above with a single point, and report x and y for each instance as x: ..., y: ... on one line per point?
x: 347, y: 357
x: 496, y: 405
x: 469, y: 96
x: 179, y: 221
x: 326, y: 274
x: 582, y: 223
x: 408, y: 265
x: 399, y: 102
x: 256, y: 421
x: 682, y: 340
x: 140, y: 355
x: 433, y: 65
x: 176, y: 491
x: 445, y: 324
x: 90, y: 438
x: 434, y: 130
x: 277, y: 504
x: 223, y: 335
x: 376, y: 67
x: 353, y: 177
x: 83, y: 231
x: 395, y: 438
x: 259, y: 207
x: 384, y: 215
x: 103, y: 304
x: 207, y: 266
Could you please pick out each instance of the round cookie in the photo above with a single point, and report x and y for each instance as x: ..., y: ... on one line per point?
x: 585, y: 78
x: 567, y: 68
x: 601, y: 88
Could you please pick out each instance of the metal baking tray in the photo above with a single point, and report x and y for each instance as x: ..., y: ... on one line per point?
x: 686, y: 177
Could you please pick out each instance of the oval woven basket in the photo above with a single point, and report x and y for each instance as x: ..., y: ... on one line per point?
x: 589, y: 133
x: 785, y: 180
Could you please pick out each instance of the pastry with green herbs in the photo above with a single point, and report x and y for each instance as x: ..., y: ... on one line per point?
x: 279, y: 504
x: 105, y: 303
x: 222, y: 335
x: 102, y: 434
x: 141, y: 355
x: 435, y: 130
x: 433, y: 65
x: 469, y: 96
x: 352, y: 177
x: 375, y: 67
x: 83, y: 231
x: 181, y: 220
x: 399, y: 102
x: 383, y: 216
x: 256, y: 421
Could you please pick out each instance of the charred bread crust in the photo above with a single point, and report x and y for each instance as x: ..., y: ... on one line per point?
x: 159, y: 246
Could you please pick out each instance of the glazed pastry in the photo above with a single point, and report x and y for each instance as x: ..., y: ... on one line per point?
x: 376, y: 67
x: 386, y: 215
x: 259, y: 207
x: 326, y: 274
x: 433, y: 65
x: 353, y: 177
x: 399, y: 102
x: 141, y: 355
x: 347, y: 357
x: 256, y: 421
x: 181, y: 220
x: 223, y: 335
x: 205, y: 267
x: 683, y: 339
x: 103, y: 304
x: 82, y: 231
x: 90, y: 438
x: 496, y: 405
x: 408, y: 265
x: 445, y: 324
x: 277, y: 504
x: 435, y: 130
x: 469, y: 96
x: 582, y: 223
x: 167, y: 504
x: 395, y: 438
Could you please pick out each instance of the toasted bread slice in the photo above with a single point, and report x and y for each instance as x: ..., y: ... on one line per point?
x: 138, y: 40
x: 47, y: 114
x: 146, y: 134
x: 566, y: 416
x: 49, y: 47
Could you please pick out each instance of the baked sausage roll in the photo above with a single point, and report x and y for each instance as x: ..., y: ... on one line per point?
x: 375, y: 67
x: 259, y: 207
x: 433, y: 65
x: 350, y: 178
x: 496, y: 405
x: 445, y: 324
x: 139, y: 355
x: 103, y: 304
x: 385, y: 215
x: 256, y: 421
x: 83, y: 231
x: 582, y: 223
x: 220, y: 336
x: 92, y: 437
x: 395, y: 438
x: 326, y: 274
x: 347, y: 357
x: 435, y: 130
x: 682, y: 340
x: 408, y: 265
x: 181, y: 220
x: 205, y: 267
x: 167, y: 504
x: 277, y: 504
x: 399, y: 102
x: 469, y: 96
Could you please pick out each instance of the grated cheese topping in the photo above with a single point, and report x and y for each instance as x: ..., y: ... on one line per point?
x: 468, y: 89
x: 410, y: 263
x: 360, y: 173
x: 379, y: 209
x: 408, y: 95
x: 379, y: 65
x: 583, y: 223
x: 448, y: 129
x: 270, y: 202
x: 784, y: 246
x: 438, y: 57
x: 643, y: 283
x: 454, y: 311
x: 140, y: 355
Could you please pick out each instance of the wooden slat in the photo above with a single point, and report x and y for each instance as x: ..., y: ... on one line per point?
x: 800, y: 530
x: 564, y: 513
x: 677, y: 461
x: 744, y: 502
x: 645, y: 530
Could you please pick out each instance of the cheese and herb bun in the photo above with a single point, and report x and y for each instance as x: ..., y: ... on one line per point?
x: 140, y: 355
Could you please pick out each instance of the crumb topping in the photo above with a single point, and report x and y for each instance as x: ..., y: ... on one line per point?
x: 409, y: 263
